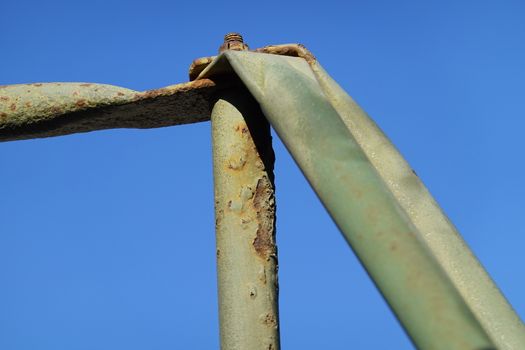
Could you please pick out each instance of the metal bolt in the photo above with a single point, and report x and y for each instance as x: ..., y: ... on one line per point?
x: 233, y: 41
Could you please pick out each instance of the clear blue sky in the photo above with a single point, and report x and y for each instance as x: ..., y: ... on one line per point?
x: 106, y: 238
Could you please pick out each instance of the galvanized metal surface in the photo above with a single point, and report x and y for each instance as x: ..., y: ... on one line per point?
x: 52, y: 109
x: 245, y: 224
x: 370, y: 217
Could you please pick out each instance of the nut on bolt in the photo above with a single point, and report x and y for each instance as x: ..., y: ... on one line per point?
x: 233, y: 41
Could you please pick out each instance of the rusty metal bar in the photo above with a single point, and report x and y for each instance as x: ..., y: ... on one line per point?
x: 243, y: 162
x: 37, y: 110
x: 245, y: 224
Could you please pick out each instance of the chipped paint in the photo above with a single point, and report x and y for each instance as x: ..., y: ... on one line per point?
x: 245, y: 217
x: 264, y: 205
x: 54, y: 109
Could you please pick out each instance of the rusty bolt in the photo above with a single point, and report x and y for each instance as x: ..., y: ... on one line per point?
x: 233, y: 41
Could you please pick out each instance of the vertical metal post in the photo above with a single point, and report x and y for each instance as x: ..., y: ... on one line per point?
x: 243, y: 161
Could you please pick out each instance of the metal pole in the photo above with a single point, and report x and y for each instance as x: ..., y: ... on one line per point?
x: 245, y: 222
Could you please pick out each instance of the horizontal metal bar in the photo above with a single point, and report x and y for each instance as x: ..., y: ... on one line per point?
x: 52, y: 109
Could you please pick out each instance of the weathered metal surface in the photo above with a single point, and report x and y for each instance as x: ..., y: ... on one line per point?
x: 53, y: 109
x: 381, y: 233
x: 469, y: 277
x: 42, y: 110
x: 245, y: 224
x: 243, y: 162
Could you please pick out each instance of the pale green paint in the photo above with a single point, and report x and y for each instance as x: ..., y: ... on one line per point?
x: 470, y: 278
x: 245, y: 224
x: 32, y: 103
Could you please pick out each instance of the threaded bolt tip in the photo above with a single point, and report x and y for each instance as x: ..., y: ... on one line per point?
x: 230, y: 37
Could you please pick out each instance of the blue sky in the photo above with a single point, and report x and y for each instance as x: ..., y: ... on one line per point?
x: 106, y: 238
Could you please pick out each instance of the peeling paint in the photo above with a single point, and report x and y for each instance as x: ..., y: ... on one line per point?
x: 53, y: 109
x: 245, y: 203
x: 264, y: 205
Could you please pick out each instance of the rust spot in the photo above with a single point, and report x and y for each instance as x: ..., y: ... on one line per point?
x: 393, y: 247
x: 75, y: 93
x: 85, y: 85
x: 81, y: 103
x: 237, y: 162
x: 37, y: 84
x: 198, y: 65
x: 243, y: 128
x: 120, y: 93
x: 269, y: 320
x: 253, y: 292
x: 3, y: 115
x: 262, y: 276
x: 218, y: 218
x: 264, y: 205
x: 294, y: 50
x: 56, y: 110
x: 12, y: 107
x: 154, y: 93
x: 179, y: 88
x: 4, y: 98
x: 28, y: 104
